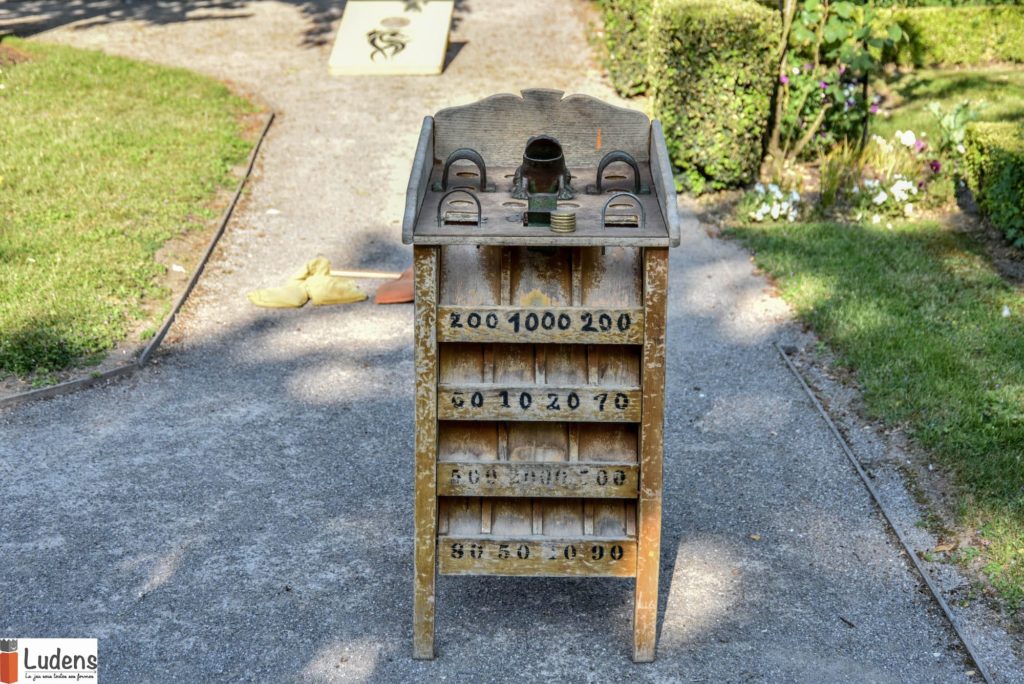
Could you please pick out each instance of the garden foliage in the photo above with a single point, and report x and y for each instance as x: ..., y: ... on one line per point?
x: 994, y: 170
x: 712, y: 72
x: 960, y: 35
x: 626, y: 24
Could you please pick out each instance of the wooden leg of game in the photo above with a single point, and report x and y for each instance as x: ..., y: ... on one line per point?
x: 648, y: 557
x: 425, y: 261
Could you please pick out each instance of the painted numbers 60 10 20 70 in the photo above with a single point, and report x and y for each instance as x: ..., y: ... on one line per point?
x: 549, y: 401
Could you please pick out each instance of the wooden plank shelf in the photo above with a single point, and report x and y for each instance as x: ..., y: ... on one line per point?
x: 539, y: 403
x: 530, y: 325
x: 607, y: 480
x: 537, y: 556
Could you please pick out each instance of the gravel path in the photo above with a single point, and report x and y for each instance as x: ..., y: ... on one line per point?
x: 242, y: 510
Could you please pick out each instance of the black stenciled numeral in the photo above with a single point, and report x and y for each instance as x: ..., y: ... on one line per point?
x: 514, y: 320
x: 492, y: 321
x: 621, y: 401
x: 473, y: 320
x: 596, y: 552
x: 573, y: 400
x: 602, y: 477
x: 525, y: 400
x: 553, y: 404
x: 605, y: 321
x: 455, y: 320
x: 600, y: 399
x: 531, y: 322
x: 619, y: 477
x: 456, y: 476
x: 616, y: 552
x: 569, y: 552
x: 523, y: 552
x: 503, y: 552
x: 504, y: 398
x: 564, y: 321
x: 588, y: 322
x: 457, y: 551
x: 457, y: 400
x: 547, y: 320
x: 624, y: 322
x: 476, y: 551
x: 477, y: 400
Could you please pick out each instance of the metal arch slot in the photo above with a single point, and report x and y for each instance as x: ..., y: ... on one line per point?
x: 467, y: 154
x: 642, y: 220
x: 458, y: 217
x: 611, y: 158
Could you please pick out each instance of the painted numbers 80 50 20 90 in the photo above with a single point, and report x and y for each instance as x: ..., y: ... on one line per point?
x: 582, y: 551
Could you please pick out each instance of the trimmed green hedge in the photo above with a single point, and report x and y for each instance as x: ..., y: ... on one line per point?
x: 712, y: 70
x: 960, y: 35
x: 994, y: 170
x: 626, y: 24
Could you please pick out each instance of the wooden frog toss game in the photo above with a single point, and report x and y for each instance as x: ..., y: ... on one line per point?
x: 541, y: 227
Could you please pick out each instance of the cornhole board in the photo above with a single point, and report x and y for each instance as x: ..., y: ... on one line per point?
x: 391, y: 37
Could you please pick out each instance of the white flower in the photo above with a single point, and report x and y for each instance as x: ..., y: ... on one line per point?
x: 870, y: 183
x: 876, y: 219
x: 796, y: 71
x: 889, y: 226
x: 791, y: 217
x: 856, y: 189
x: 908, y: 209
x: 1006, y: 311
x: 902, y: 189
x: 775, y: 210
x: 759, y: 188
x: 880, y: 198
x: 794, y: 196
x: 859, y: 215
x: 960, y: 148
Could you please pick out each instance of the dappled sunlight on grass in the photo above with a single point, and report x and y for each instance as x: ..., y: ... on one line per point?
x: 936, y: 340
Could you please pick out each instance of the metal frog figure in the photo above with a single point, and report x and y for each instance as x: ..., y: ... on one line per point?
x: 386, y: 42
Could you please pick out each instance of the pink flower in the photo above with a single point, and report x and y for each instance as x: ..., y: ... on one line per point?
x: 874, y: 109
x: 823, y: 85
x: 783, y: 79
x: 935, y: 166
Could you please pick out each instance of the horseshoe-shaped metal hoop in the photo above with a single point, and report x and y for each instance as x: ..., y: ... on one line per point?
x: 444, y: 198
x: 467, y: 154
x: 636, y: 200
x: 611, y: 158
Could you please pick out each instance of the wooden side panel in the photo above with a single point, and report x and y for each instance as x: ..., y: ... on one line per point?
x: 645, y: 609
x: 664, y: 183
x: 425, y: 505
x: 554, y: 557
x: 419, y: 178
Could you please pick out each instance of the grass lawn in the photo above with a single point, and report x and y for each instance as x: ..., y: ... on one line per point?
x: 1002, y: 89
x: 102, y: 160
x: 917, y: 313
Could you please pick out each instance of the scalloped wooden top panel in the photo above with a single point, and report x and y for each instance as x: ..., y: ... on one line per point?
x: 499, y: 126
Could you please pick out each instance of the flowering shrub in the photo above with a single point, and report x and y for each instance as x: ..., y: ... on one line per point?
x: 770, y: 202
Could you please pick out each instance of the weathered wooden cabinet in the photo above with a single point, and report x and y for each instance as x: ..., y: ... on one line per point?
x: 540, y: 351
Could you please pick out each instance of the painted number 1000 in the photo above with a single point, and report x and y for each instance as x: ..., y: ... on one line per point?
x: 584, y: 321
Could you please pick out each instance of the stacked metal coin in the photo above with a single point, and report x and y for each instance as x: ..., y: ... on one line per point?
x: 563, y: 221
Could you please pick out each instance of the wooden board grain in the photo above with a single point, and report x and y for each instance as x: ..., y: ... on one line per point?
x: 645, y: 606
x: 419, y: 177
x: 609, y: 480
x: 539, y: 403
x: 537, y: 556
x: 499, y: 126
x: 567, y: 325
x: 425, y: 499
